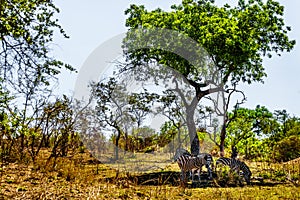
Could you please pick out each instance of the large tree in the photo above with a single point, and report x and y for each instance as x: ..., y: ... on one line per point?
x: 235, y: 38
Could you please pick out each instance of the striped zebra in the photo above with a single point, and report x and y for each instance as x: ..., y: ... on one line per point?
x: 237, y: 166
x: 188, y: 163
x: 207, y: 157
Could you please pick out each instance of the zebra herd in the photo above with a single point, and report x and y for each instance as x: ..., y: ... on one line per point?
x: 189, y: 163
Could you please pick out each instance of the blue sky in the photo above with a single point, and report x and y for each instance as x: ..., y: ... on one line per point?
x: 90, y: 23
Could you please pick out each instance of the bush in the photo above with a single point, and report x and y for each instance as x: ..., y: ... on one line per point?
x: 227, y: 177
x: 287, y: 149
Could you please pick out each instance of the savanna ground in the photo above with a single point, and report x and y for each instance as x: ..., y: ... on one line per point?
x: 83, y: 177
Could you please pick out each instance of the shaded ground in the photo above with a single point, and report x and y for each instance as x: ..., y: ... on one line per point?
x: 164, y: 178
x: 173, y: 179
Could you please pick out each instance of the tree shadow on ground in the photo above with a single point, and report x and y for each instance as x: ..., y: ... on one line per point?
x: 172, y: 178
x: 164, y: 178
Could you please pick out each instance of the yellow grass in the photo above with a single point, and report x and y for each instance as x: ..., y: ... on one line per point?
x: 81, y: 177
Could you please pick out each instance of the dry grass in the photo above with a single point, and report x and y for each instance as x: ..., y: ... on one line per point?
x: 82, y: 177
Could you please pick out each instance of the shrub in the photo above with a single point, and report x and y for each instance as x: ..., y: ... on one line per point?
x: 227, y: 177
x: 287, y: 149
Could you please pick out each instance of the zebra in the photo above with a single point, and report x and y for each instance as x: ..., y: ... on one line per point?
x: 237, y: 166
x: 188, y: 163
x: 208, y: 160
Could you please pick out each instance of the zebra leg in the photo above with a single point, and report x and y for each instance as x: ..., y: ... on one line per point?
x: 183, y: 175
x: 192, y: 172
x: 209, y: 170
x: 199, y: 170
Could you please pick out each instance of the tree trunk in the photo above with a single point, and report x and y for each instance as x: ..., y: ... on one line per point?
x: 22, y: 146
x: 234, y: 152
x: 194, y: 140
x: 179, y: 139
x: 222, y: 138
x: 64, y: 144
x: 117, y: 144
x: 126, y: 142
x: 247, y: 151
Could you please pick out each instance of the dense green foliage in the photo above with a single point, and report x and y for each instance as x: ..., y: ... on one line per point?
x: 235, y: 38
x: 260, y: 134
x: 287, y: 149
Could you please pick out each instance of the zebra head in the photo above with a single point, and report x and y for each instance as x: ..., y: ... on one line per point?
x: 247, y: 178
x: 245, y: 172
x: 204, y: 156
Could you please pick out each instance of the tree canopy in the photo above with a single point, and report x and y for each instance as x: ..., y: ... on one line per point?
x: 235, y: 38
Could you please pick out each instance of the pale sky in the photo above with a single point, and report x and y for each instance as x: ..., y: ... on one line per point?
x: 92, y: 22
